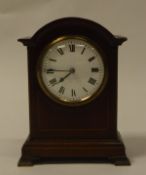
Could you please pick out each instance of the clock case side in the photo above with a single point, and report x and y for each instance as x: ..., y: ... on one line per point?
x: 38, y: 149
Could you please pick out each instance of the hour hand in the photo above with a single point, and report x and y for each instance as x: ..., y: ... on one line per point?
x: 62, y: 79
x: 71, y: 71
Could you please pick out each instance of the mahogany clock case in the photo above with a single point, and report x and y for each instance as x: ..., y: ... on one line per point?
x: 60, y: 133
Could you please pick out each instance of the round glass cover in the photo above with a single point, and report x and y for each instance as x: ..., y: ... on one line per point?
x: 71, y: 70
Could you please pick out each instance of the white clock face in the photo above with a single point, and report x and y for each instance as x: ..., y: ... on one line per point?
x: 71, y: 70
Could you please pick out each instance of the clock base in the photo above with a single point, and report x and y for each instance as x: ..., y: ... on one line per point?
x: 73, y: 151
x: 30, y: 161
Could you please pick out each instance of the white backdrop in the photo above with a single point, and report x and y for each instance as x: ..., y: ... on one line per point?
x: 21, y: 18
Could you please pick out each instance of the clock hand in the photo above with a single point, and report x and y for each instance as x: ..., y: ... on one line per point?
x: 63, y: 78
x: 72, y: 70
x: 56, y: 70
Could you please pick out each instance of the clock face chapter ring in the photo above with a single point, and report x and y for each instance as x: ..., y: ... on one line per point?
x: 71, y: 70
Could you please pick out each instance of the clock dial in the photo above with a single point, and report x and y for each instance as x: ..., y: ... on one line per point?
x: 71, y: 70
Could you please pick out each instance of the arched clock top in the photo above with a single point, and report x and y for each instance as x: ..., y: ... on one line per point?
x: 76, y: 26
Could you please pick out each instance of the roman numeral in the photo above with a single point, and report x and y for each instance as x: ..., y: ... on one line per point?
x: 73, y: 93
x: 51, y: 59
x: 91, y: 59
x: 83, y: 51
x: 50, y: 71
x: 60, y: 51
x: 61, y: 90
x: 53, y: 81
x: 72, y: 47
x: 85, y: 89
x: 94, y: 69
x: 92, y: 81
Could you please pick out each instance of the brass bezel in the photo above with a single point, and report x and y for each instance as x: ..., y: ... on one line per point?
x: 86, y: 100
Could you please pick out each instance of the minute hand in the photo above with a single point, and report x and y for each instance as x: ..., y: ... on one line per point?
x: 56, y: 70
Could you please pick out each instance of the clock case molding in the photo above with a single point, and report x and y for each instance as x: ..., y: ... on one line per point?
x: 85, y: 133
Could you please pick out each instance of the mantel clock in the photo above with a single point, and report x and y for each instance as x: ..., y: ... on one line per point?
x: 72, y: 74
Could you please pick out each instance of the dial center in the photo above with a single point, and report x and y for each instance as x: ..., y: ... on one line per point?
x: 72, y: 70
